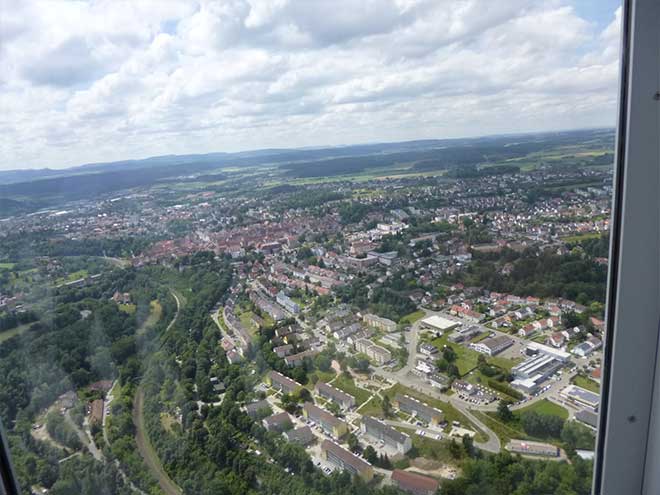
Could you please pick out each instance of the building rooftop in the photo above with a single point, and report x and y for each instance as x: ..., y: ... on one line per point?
x: 324, y: 415
x: 415, y: 482
x: 345, y: 456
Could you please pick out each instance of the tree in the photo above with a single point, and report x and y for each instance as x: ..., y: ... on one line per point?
x: 370, y: 455
x: 503, y: 411
x: 386, y: 406
x: 576, y: 436
x: 452, y: 371
x: 352, y: 442
x: 468, y: 445
x: 449, y: 354
x: 541, y: 425
x: 455, y: 449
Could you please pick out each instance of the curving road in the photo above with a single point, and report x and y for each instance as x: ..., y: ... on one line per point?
x: 407, y: 378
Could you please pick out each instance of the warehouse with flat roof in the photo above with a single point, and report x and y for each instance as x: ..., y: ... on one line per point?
x: 581, y: 396
x: 439, y: 323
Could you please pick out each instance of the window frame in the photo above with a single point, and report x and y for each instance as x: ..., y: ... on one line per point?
x: 628, y: 445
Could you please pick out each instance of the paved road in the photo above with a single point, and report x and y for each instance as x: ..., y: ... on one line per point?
x: 178, y: 308
x: 407, y: 378
x: 146, y: 449
x: 493, y: 443
x: 84, y: 436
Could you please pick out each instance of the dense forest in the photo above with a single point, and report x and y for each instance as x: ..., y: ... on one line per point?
x: 84, y: 339
x: 544, y: 274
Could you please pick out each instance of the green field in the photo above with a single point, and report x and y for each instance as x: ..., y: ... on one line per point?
x: 128, y: 308
x: 504, y: 432
x: 71, y: 277
x: 545, y: 407
x: 7, y: 266
x: 466, y: 359
x: 581, y: 237
x: 588, y: 383
x: 412, y: 317
x: 248, y: 322
x: 513, y: 429
x: 8, y: 334
x: 155, y: 313
x: 342, y: 382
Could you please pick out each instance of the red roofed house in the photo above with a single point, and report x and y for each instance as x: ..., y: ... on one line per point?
x: 414, y: 483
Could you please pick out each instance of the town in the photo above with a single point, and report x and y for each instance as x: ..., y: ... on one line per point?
x: 390, y: 326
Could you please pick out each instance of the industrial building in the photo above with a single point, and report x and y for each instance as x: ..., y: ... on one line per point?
x: 493, y: 345
x: 533, y: 448
x: 531, y: 373
x: 439, y: 324
x: 581, y: 396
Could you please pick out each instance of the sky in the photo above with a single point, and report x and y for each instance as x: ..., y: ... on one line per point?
x: 105, y: 80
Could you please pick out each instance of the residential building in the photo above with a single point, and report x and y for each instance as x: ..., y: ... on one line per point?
x: 277, y: 422
x: 527, y: 331
x: 346, y: 460
x: 428, y: 349
x: 389, y: 436
x: 329, y: 423
x: 423, y: 411
x: 283, y: 350
x: 340, y: 397
x: 302, y: 436
x: 288, y: 303
x: 258, y: 408
x: 297, y: 359
x: 376, y: 353
x: 379, y: 323
x: 425, y: 366
x: 282, y: 383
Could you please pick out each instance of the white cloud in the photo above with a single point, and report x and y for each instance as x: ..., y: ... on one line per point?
x: 100, y: 80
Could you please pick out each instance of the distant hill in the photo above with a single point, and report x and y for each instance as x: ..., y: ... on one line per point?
x: 94, y: 179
